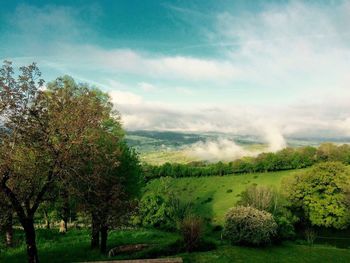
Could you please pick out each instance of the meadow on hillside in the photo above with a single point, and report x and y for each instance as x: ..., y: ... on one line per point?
x: 212, y: 196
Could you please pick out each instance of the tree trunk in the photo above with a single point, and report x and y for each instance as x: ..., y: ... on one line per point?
x: 30, y: 240
x: 9, y: 231
x: 95, y: 233
x: 47, y: 220
x: 104, y: 236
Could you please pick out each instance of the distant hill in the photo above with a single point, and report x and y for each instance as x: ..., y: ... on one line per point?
x: 158, y: 147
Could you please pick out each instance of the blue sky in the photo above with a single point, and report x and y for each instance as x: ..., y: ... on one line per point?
x: 261, y: 67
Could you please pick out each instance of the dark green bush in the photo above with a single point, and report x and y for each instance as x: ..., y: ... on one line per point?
x: 285, y: 222
x: 163, y: 213
x: 249, y: 226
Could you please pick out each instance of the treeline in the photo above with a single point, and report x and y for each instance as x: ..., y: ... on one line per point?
x: 286, y: 159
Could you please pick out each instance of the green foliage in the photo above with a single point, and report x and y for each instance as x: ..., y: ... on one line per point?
x: 154, y: 212
x: 178, y: 210
x: 268, y: 199
x: 320, y: 194
x: 164, y: 212
x: 285, y: 221
x: 129, y: 170
x: 249, y: 226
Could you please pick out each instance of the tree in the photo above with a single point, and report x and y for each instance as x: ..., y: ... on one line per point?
x: 108, y: 175
x: 116, y: 182
x: 41, y: 136
x: 154, y: 211
x: 320, y: 194
x: 6, y: 219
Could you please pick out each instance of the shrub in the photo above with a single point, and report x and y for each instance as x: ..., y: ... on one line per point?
x: 249, y: 226
x: 268, y: 199
x: 191, y: 230
x: 159, y: 212
x: 285, y: 221
x: 153, y: 212
x: 260, y: 197
x: 178, y: 210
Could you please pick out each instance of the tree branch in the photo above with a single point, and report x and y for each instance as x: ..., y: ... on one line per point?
x: 41, y: 194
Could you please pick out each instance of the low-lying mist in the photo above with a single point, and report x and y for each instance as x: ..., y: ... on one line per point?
x: 224, y: 149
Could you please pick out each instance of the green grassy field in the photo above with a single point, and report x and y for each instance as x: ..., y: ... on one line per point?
x: 162, y: 156
x: 286, y: 253
x: 74, y: 247
x: 212, y: 196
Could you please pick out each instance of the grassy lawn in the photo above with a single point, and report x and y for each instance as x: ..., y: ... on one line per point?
x: 74, y: 247
x: 212, y: 196
x: 287, y: 253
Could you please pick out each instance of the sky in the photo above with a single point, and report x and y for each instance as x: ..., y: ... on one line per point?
x: 266, y: 68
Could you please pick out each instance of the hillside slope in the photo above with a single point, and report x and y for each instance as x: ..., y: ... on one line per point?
x: 212, y: 196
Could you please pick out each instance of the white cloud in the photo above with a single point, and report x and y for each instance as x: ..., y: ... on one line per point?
x: 297, y: 55
x: 298, y: 46
x: 184, y: 91
x: 125, y: 98
x: 147, y: 87
x: 344, y: 126
x: 193, y: 68
x: 270, y: 124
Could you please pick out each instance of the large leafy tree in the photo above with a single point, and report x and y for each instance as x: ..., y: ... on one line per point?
x: 108, y: 177
x: 320, y: 194
x: 41, y: 137
x: 114, y: 179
